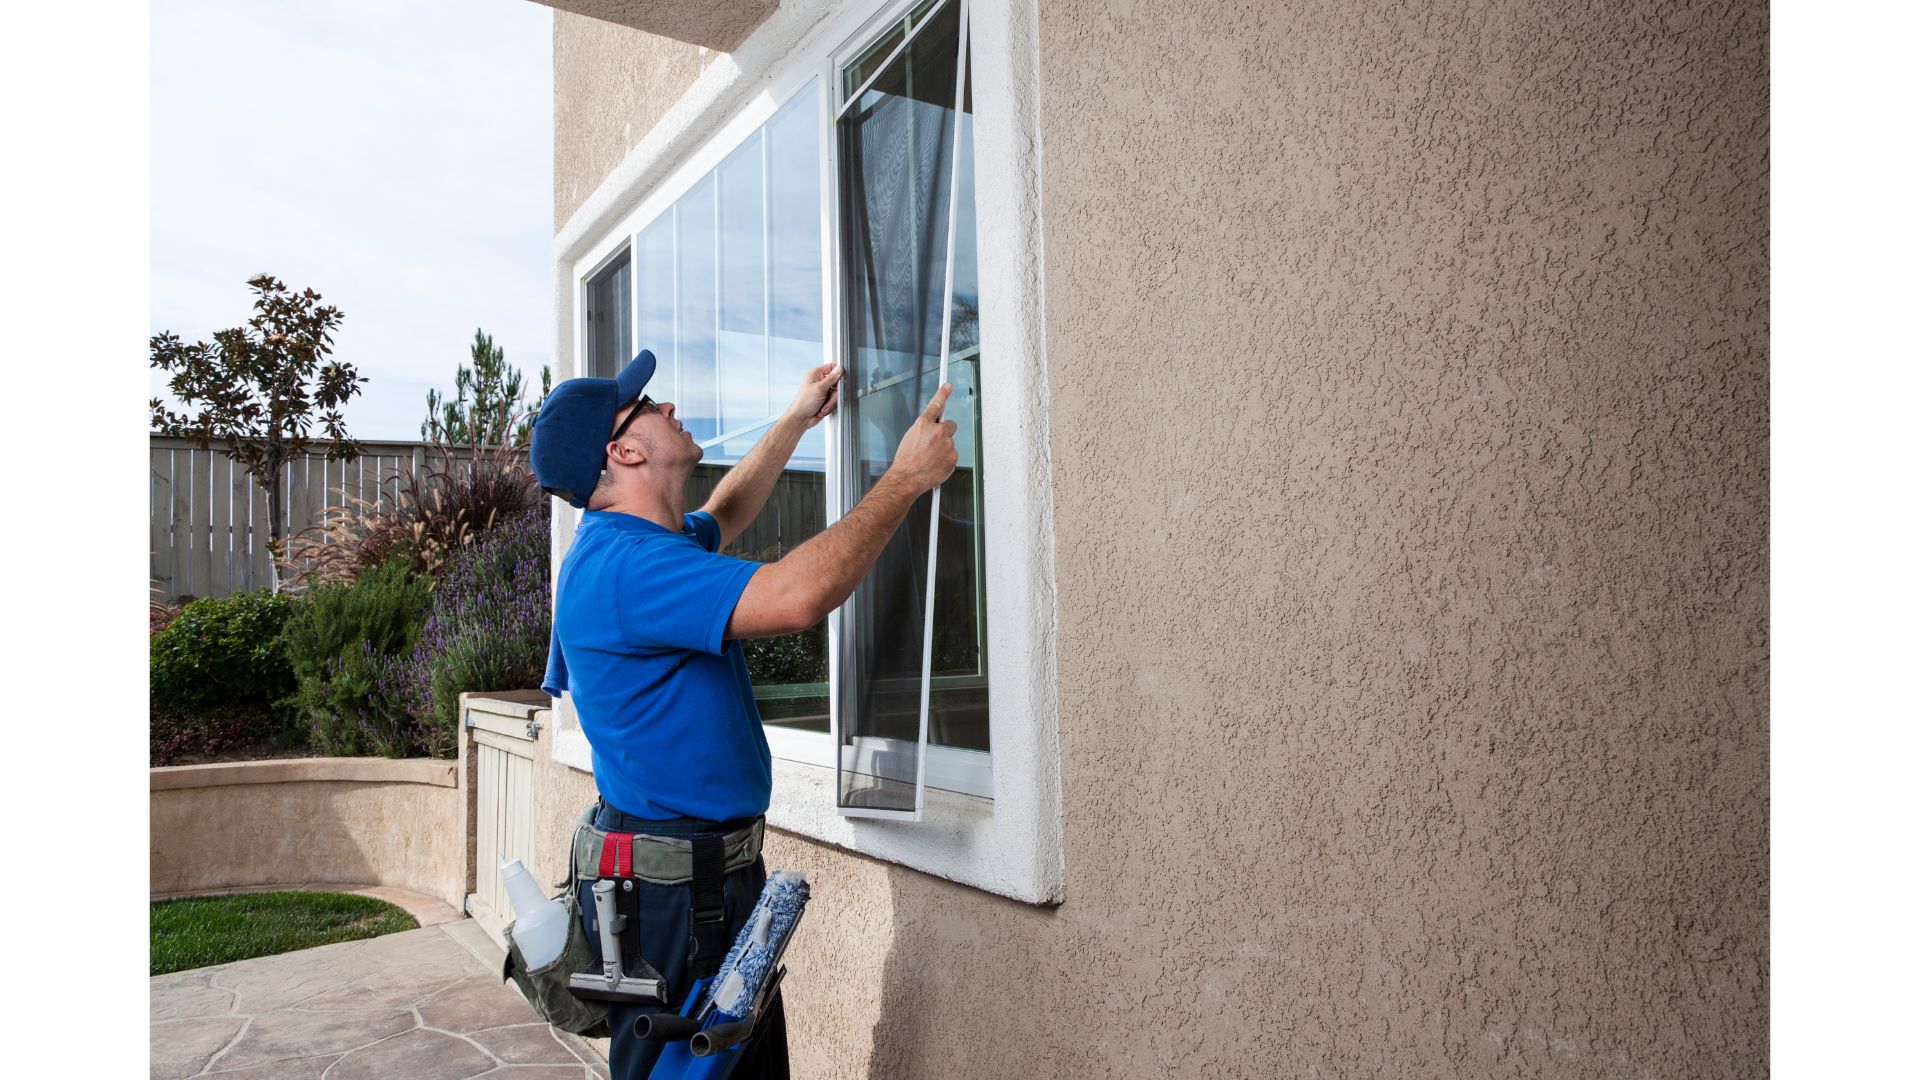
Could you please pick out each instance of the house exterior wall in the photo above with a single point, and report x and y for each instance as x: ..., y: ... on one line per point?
x: 1408, y: 370
x: 611, y: 84
x: 715, y: 24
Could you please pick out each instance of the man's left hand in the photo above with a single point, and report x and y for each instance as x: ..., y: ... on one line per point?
x: 819, y: 394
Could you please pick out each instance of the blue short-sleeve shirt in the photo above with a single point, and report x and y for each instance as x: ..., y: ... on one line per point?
x: 639, y: 621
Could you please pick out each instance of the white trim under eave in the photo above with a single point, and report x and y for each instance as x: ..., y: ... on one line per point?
x: 1011, y: 844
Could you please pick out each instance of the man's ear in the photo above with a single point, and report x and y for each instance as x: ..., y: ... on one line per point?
x: 626, y: 452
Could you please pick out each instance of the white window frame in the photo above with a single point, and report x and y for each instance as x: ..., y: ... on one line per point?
x: 1009, y: 842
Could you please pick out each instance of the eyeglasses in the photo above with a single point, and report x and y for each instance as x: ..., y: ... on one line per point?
x: 644, y: 405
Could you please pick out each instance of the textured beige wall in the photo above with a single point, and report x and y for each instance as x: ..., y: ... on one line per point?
x: 716, y: 24
x: 611, y: 84
x: 341, y: 821
x: 560, y: 793
x: 1409, y: 379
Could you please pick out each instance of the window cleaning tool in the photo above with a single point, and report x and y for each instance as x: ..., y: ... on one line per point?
x: 722, y: 1014
x: 612, y: 984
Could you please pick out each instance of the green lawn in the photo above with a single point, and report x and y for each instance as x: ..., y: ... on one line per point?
x: 201, y: 930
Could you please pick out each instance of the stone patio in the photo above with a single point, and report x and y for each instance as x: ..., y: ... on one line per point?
x: 425, y: 1004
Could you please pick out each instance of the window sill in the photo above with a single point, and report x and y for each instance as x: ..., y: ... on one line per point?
x: 963, y: 838
x: 959, y: 837
x: 570, y: 746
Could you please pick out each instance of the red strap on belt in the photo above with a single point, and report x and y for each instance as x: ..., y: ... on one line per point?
x: 616, y: 855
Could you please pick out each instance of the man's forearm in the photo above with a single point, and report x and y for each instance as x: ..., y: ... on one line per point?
x: 831, y: 563
x: 744, y: 490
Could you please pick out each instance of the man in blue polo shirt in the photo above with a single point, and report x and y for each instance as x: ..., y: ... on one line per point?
x: 647, y: 623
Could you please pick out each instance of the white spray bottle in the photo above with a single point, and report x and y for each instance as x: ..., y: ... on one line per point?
x: 539, y: 924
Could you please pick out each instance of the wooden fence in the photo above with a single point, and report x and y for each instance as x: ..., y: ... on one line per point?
x: 208, y: 519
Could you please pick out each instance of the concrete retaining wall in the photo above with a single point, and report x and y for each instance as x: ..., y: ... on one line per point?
x: 354, y: 821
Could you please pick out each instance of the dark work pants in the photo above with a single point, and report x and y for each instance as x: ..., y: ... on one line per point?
x: 661, y: 937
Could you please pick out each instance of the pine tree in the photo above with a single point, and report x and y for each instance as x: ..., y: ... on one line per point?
x: 486, y: 407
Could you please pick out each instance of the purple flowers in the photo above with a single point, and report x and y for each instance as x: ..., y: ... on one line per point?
x: 487, y: 630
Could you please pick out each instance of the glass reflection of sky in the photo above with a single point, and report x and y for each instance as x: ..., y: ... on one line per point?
x: 695, y: 266
x: 729, y: 283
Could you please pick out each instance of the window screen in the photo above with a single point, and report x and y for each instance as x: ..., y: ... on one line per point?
x: 912, y: 307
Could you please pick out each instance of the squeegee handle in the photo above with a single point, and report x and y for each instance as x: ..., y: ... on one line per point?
x: 603, y: 910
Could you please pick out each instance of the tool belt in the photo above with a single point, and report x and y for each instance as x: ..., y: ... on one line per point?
x: 597, y: 854
x: 660, y: 860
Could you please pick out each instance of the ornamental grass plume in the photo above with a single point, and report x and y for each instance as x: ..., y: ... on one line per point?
x: 426, y: 513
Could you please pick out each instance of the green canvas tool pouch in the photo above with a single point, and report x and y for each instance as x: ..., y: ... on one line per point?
x: 545, y: 988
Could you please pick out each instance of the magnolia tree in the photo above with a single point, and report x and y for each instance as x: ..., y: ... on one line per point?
x: 259, y: 389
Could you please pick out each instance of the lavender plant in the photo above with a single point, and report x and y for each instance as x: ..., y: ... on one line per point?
x: 372, y: 716
x: 487, y: 630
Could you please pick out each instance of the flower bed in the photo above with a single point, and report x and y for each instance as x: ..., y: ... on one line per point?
x: 389, y: 615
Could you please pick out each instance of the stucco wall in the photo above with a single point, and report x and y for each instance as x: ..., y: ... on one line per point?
x: 611, y: 84
x: 348, y: 821
x: 716, y: 24
x: 1409, y: 380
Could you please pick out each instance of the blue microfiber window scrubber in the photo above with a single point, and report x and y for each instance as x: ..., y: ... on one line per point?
x: 725, y: 1005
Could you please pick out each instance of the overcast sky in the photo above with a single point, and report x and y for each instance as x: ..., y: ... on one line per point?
x: 394, y: 155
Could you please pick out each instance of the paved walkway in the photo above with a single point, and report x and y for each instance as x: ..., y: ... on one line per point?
x: 426, y: 1004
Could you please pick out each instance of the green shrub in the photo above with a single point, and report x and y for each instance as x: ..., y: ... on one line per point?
x: 221, y: 653
x: 341, y: 642
x: 794, y: 658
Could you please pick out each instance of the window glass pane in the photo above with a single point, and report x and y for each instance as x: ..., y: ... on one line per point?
x: 609, y: 313
x: 896, y: 155
x: 697, y: 395
x: 742, y: 346
x: 790, y: 673
x: 793, y: 252
x: 654, y: 260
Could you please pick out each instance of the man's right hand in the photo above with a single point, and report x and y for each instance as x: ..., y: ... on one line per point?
x: 816, y: 577
x: 927, y: 456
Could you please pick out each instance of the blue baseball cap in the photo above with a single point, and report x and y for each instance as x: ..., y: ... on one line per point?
x: 570, y: 435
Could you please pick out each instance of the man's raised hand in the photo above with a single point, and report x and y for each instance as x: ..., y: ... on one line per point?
x: 926, y: 456
x: 818, y: 396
